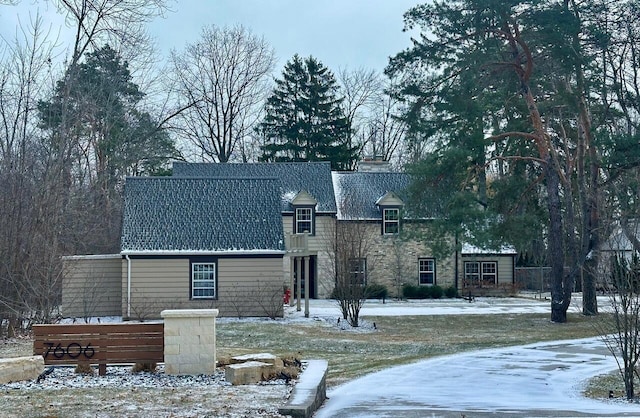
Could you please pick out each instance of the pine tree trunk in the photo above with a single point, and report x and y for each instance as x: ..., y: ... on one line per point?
x: 589, y: 300
x: 556, y: 252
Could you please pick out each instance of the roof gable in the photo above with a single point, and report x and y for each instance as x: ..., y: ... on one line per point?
x: 294, y: 177
x: 390, y: 199
x: 619, y: 240
x: 191, y: 215
x: 304, y: 198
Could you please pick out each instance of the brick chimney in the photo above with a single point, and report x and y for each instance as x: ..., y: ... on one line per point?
x: 375, y: 164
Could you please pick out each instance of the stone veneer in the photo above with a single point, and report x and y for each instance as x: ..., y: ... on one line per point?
x: 392, y: 260
x: 190, y: 341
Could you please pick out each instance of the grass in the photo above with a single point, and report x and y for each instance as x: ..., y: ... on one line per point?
x: 397, y: 340
x: 350, y: 353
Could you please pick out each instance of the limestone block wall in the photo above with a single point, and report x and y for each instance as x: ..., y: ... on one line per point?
x: 20, y: 368
x: 190, y: 341
x: 392, y: 260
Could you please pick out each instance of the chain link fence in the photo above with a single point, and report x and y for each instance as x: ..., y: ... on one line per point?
x: 533, y: 279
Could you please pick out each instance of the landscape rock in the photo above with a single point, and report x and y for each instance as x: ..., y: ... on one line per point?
x: 248, y: 373
x: 20, y: 368
x: 261, y: 357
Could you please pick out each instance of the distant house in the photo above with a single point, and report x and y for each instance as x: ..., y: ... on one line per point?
x: 620, y: 239
x: 487, y: 269
x: 231, y: 236
x: 619, y: 244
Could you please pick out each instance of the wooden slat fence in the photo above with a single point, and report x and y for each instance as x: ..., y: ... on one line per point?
x: 99, y: 344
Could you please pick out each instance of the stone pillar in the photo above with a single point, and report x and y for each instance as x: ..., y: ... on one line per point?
x: 189, y: 341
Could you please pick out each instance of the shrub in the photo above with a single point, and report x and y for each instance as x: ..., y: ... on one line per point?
x: 376, y: 291
x: 144, y: 367
x: 410, y: 291
x: 451, y: 292
x: 84, y: 368
x: 436, y: 292
x: 424, y: 292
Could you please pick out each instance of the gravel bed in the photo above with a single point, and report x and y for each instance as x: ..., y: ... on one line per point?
x: 123, y: 377
x: 122, y: 393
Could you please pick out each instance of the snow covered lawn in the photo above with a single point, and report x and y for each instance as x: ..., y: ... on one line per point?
x: 394, y: 333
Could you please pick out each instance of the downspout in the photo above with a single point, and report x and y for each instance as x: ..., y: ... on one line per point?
x: 128, y: 285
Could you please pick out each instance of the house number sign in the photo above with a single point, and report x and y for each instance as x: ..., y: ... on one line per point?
x: 71, y: 351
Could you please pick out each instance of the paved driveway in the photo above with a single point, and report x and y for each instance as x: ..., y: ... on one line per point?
x: 537, y: 380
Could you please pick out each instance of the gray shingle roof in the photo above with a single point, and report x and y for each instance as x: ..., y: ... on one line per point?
x: 313, y: 177
x: 618, y: 240
x: 169, y: 214
x: 357, y: 192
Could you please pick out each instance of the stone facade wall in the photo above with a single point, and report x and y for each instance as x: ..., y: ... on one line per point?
x: 391, y: 260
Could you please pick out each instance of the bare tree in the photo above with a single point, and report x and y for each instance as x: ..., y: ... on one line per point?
x: 362, y: 88
x: 351, y: 247
x: 223, y: 80
x: 384, y: 133
x: 30, y: 208
x: 621, y: 333
x: 372, y: 112
x: 44, y: 200
x: 268, y: 296
x: 116, y: 22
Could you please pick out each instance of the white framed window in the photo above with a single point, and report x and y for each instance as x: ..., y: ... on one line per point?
x: 480, y: 273
x: 489, y: 273
x: 358, y: 271
x: 426, y: 271
x: 390, y: 221
x: 304, y: 220
x: 471, y: 273
x: 203, y: 280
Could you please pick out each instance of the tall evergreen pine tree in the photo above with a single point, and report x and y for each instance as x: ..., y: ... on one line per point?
x: 304, y: 119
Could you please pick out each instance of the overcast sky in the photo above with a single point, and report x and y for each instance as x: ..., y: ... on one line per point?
x: 340, y: 33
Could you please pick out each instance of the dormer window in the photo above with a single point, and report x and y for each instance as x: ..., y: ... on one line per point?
x: 390, y: 205
x: 304, y: 213
x: 304, y: 221
x: 390, y: 221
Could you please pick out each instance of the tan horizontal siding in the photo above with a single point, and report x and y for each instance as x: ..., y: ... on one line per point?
x: 250, y: 287
x: 91, y: 287
x: 320, y: 244
x: 505, y: 266
x: 324, y: 230
x: 159, y: 284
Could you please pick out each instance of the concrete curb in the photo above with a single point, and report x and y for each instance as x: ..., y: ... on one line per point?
x: 310, y: 391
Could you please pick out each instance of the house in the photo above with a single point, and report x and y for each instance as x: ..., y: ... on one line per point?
x: 231, y: 236
x: 308, y: 206
x: 193, y: 243
x: 620, y: 240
